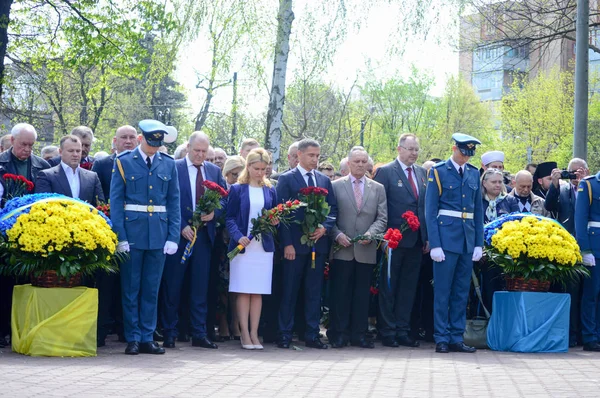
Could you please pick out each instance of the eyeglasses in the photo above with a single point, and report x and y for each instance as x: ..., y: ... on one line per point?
x: 415, y: 150
x: 326, y: 168
x: 235, y: 175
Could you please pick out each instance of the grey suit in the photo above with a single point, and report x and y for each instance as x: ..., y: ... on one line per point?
x: 352, y: 267
x: 396, y: 301
x: 54, y: 180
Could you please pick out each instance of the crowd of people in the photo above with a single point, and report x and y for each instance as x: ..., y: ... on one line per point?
x: 275, y: 287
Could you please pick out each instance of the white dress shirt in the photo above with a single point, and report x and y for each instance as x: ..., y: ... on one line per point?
x: 193, y: 172
x: 414, y: 177
x: 304, y: 172
x: 73, y: 178
x: 144, y: 157
x: 457, y: 166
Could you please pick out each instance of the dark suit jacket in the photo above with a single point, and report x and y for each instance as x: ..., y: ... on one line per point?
x: 56, y: 160
x: 213, y: 173
x: 400, y: 198
x: 288, y: 187
x: 54, y: 180
x: 561, y: 202
x: 37, y: 164
x: 103, y: 167
x: 238, y: 212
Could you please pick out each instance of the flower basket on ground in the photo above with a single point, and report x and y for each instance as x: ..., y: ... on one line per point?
x: 533, y: 251
x: 55, y: 240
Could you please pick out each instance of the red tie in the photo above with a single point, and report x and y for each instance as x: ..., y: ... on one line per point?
x: 199, y: 186
x: 412, y: 183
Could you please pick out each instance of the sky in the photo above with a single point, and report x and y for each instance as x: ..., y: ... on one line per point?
x: 361, y: 51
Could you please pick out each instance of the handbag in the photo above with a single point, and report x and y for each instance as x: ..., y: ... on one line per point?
x: 476, y: 329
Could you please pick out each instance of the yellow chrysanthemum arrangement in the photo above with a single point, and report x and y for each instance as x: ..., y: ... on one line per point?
x: 533, y: 247
x: 56, y: 233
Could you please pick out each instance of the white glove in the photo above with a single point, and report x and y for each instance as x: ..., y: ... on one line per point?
x: 170, y: 248
x: 437, y: 254
x: 589, y: 260
x: 123, y: 247
x: 477, y: 253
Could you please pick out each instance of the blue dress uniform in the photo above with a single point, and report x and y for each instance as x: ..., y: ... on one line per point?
x: 587, y: 229
x: 454, y: 217
x: 146, y: 215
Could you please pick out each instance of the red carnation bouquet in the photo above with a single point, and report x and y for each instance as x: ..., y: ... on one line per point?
x: 317, y: 210
x: 205, y: 204
x: 86, y: 165
x: 16, y: 186
x: 103, y: 207
x: 267, y: 222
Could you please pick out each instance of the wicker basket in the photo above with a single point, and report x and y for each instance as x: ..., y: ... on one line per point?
x: 530, y: 285
x: 51, y: 279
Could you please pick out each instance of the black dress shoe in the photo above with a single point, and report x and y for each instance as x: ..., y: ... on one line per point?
x: 133, y: 348
x: 283, y: 344
x: 389, y: 342
x: 151, y: 347
x: 461, y: 347
x: 407, y: 341
x: 316, y: 343
x: 169, y: 342
x: 591, y: 347
x: 338, y: 342
x: 363, y: 343
x: 158, y: 336
x: 442, y: 348
x: 183, y: 338
x: 203, y: 342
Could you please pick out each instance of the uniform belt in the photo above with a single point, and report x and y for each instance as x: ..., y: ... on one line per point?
x: 593, y: 224
x: 147, y: 209
x: 457, y: 214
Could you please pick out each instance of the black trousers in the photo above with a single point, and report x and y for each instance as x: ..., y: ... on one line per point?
x: 7, y: 283
x: 110, y: 310
x: 396, y: 300
x: 349, y: 301
x: 422, y: 313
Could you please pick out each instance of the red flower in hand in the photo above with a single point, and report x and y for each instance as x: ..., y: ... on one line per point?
x: 392, y: 244
x: 374, y: 291
x: 86, y: 165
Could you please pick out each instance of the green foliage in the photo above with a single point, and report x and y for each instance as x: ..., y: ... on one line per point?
x: 538, y: 113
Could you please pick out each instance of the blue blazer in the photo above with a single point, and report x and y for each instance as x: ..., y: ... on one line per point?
x: 238, y: 209
x: 213, y: 173
x: 288, y: 187
x: 54, y: 180
x: 103, y: 167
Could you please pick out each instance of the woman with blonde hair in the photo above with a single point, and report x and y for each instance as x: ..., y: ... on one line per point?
x: 232, y: 169
x: 251, y: 270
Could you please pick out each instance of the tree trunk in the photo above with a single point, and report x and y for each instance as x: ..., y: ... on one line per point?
x: 285, y: 18
x: 4, y: 21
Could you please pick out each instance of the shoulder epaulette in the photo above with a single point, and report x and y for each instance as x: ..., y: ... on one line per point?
x: 123, y: 153
x: 439, y: 164
x: 588, y: 177
x: 471, y: 166
x: 167, y: 155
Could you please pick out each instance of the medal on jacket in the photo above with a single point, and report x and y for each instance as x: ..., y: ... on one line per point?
x: 400, y: 183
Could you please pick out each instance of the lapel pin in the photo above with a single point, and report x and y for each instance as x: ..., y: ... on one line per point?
x: 400, y: 183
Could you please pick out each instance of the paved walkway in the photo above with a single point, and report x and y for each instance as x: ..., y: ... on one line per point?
x: 350, y: 372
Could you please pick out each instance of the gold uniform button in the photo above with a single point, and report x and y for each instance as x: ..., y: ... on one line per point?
x: 132, y: 177
x: 150, y: 201
x: 463, y: 196
x: 450, y: 186
x: 464, y: 208
x: 150, y: 214
x: 150, y: 209
x: 150, y: 173
x: 150, y: 187
x: 127, y: 218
